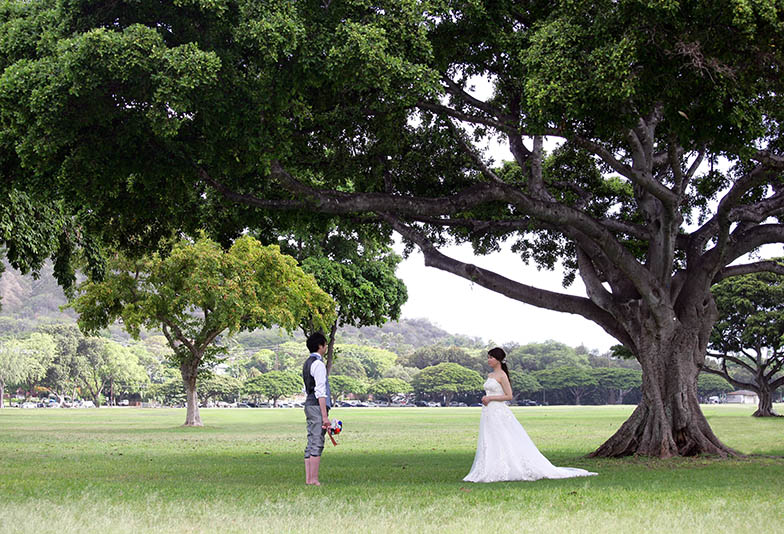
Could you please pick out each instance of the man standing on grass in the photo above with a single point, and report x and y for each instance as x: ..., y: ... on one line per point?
x: 317, y: 404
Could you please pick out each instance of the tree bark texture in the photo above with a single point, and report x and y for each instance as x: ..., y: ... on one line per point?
x: 668, y: 421
x: 765, y: 405
x: 192, y: 417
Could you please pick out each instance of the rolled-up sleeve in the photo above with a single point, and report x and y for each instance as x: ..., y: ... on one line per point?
x: 319, y: 373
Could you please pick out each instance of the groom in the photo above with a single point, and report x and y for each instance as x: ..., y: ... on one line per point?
x: 317, y: 404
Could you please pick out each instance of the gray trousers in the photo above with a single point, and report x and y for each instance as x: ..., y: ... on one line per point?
x: 316, y: 434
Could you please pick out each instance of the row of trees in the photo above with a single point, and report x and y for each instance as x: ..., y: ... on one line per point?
x: 61, y: 361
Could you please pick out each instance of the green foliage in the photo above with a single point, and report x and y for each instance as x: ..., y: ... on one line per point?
x: 617, y: 378
x: 342, y: 385
x: 351, y: 367
x: 387, y: 387
x: 374, y: 361
x: 199, y: 291
x: 537, y: 356
x: 435, y: 354
x: 751, y: 313
x: 446, y: 379
x: 523, y: 382
x: 25, y: 360
x: 273, y: 385
x: 710, y: 384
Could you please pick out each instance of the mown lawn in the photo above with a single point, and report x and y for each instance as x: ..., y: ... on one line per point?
x: 134, y: 470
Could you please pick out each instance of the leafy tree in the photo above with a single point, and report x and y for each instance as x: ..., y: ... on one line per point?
x: 24, y: 360
x: 749, y: 335
x: 349, y: 366
x: 104, y: 364
x: 356, y: 268
x: 170, y: 392
x: 523, y: 383
x: 341, y: 385
x: 435, y: 354
x: 616, y: 381
x: 365, y: 111
x: 199, y: 292
x: 403, y: 373
x: 65, y: 368
x: 274, y: 385
x: 575, y: 380
x: 221, y: 387
x: 537, y: 356
x: 387, y: 387
x: 711, y: 384
x: 447, y: 379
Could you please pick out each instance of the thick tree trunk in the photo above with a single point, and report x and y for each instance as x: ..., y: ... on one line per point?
x: 668, y: 421
x: 765, y: 405
x: 192, y: 417
x: 2, y: 395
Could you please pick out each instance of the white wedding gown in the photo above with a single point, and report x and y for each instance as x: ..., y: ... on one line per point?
x: 504, y: 450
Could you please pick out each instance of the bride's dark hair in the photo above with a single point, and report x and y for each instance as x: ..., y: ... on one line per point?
x: 499, y: 354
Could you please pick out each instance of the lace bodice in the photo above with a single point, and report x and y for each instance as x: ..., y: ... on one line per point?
x: 492, y: 387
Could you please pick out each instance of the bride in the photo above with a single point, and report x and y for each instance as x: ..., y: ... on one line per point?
x: 504, y: 450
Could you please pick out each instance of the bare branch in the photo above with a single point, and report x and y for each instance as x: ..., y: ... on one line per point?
x: 465, y: 117
x: 524, y: 293
x: 749, y: 268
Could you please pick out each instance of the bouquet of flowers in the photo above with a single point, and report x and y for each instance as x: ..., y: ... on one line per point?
x: 335, y: 428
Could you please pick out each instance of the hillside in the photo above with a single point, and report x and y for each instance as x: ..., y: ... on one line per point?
x: 27, y: 303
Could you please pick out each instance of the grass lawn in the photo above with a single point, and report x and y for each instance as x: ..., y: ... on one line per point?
x: 130, y: 470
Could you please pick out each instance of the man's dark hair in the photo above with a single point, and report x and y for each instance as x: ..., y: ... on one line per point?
x: 315, y: 340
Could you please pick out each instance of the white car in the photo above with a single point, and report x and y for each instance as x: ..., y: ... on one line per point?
x: 27, y: 405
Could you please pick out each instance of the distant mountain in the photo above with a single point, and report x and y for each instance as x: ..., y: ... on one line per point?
x: 27, y: 303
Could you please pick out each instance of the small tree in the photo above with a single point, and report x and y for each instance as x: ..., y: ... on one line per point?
x: 24, y: 360
x: 387, y: 387
x: 274, y: 385
x: 523, y: 383
x: 575, y: 380
x: 711, y: 384
x: 197, y: 293
x: 617, y: 381
x: 748, y: 338
x: 341, y: 385
x: 221, y: 387
x: 447, y: 379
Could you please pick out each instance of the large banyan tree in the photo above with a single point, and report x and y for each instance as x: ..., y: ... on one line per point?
x: 645, y: 135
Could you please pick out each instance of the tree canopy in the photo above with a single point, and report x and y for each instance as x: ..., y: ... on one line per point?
x: 747, y: 341
x: 446, y: 379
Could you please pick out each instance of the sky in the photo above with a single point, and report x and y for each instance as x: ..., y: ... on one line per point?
x: 461, y: 307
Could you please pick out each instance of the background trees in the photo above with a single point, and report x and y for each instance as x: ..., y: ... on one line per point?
x: 274, y: 385
x: 199, y: 292
x: 445, y: 380
x: 748, y: 338
x: 387, y: 387
x: 24, y: 360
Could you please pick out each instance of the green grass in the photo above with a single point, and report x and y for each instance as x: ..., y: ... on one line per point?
x: 395, y: 470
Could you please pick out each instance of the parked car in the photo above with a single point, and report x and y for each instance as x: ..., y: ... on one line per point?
x: 527, y: 402
x: 27, y: 405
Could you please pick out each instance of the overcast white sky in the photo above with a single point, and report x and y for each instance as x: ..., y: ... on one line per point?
x: 460, y: 307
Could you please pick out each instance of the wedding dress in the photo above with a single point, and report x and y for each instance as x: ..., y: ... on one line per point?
x: 504, y: 450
